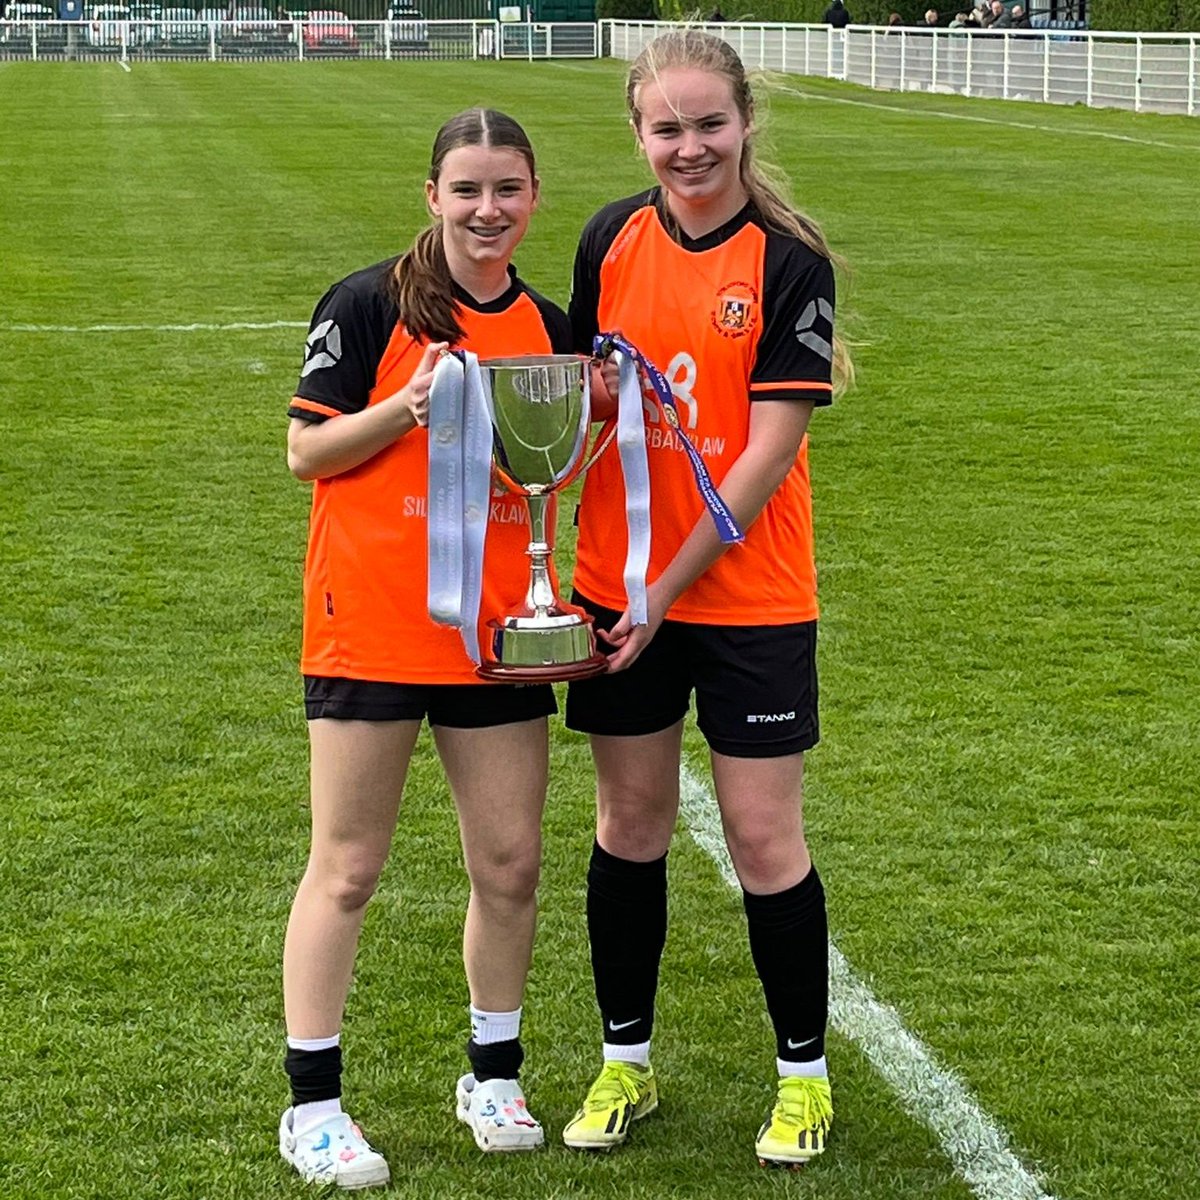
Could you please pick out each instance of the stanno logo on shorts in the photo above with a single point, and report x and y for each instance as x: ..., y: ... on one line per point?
x: 767, y: 718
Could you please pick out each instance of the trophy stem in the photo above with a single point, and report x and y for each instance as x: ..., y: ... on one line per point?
x: 540, y: 597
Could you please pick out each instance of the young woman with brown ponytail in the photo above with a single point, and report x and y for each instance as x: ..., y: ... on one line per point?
x: 374, y: 663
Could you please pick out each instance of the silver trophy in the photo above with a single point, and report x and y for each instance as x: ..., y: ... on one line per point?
x: 541, y: 413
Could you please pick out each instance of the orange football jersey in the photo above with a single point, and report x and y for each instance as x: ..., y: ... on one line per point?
x: 365, y: 614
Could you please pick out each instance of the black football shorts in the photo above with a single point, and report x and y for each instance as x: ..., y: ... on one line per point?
x: 454, y: 705
x: 755, y: 686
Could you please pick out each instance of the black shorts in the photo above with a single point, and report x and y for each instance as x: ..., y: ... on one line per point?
x: 455, y: 705
x: 755, y: 685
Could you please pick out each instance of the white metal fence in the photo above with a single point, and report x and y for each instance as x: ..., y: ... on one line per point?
x: 1145, y: 72
x: 299, y: 39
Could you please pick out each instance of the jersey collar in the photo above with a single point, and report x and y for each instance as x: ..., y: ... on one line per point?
x: 716, y: 238
x: 501, y: 302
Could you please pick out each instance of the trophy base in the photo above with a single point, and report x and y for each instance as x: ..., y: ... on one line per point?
x: 550, y: 649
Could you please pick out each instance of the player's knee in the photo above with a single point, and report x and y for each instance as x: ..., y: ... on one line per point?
x: 350, y: 883
x: 506, y: 876
x: 764, y: 862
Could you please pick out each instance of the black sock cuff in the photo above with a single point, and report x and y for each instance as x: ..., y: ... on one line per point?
x: 496, y: 1060
x: 314, y: 1074
x: 797, y: 901
x: 626, y: 868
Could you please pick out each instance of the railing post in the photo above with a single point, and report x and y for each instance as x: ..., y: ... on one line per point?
x: 874, y: 34
x: 33, y: 39
x: 807, y: 53
x: 1004, y: 84
x: 967, y: 81
x: 903, y: 59
x: 1191, y: 76
x: 1045, y: 69
x: 933, y: 61
x: 1137, y: 75
x: 212, y: 42
x: 1091, y: 63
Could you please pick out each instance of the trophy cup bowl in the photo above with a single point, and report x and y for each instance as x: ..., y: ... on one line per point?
x: 541, y: 412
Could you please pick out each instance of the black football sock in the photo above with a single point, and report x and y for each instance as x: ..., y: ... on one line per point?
x: 627, y: 925
x: 789, y: 941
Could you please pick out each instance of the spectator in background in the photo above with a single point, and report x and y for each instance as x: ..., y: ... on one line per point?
x: 931, y: 18
x: 998, y: 18
x: 895, y: 20
x: 960, y: 20
x: 1020, y: 18
x: 716, y: 17
x: 836, y: 15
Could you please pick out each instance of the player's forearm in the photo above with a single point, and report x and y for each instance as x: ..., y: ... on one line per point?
x: 746, y: 491
x: 342, y: 443
x: 775, y: 437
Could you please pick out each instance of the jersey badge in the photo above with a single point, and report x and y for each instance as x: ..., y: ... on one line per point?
x: 736, y: 311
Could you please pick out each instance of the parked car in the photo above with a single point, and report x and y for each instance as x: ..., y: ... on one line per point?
x: 107, y: 27
x: 326, y: 29
x: 23, y: 17
x: 181, y: 29
x: 407, y: 26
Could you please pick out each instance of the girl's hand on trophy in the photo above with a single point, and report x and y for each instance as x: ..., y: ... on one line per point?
x: 415, y: 394
x: 629, y: 640
x: 606, y: 387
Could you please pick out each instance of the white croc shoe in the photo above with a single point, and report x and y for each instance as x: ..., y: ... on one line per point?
x: 497, y: 1114
x: 333, y: 1151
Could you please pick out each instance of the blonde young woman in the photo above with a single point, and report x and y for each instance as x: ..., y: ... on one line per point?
x: 375, y: 665
x: 730, y: 291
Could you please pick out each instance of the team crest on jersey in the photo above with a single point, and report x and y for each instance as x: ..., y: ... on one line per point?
x: 736, y: 311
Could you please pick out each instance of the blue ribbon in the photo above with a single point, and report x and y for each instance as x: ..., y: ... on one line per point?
x: 728, y: 530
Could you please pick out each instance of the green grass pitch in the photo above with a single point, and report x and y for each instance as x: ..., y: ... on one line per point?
x: 1003, y: 803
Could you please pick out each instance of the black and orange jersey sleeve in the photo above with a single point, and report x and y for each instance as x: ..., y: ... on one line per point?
x: 597, y: 239
x: 347, y: 338
x: 794, y: 358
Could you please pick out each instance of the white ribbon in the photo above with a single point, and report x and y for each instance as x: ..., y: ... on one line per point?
x: 631, y: 445
x: 460, y: 479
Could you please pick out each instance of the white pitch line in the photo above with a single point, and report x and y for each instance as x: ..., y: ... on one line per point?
x: 193, y: 328
x: 125, y: 66
x: 951, y: 116
x: 976, y: 1146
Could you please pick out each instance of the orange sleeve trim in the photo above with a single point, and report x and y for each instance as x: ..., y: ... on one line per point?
x: 313, y: 406
x: 805, y: 385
